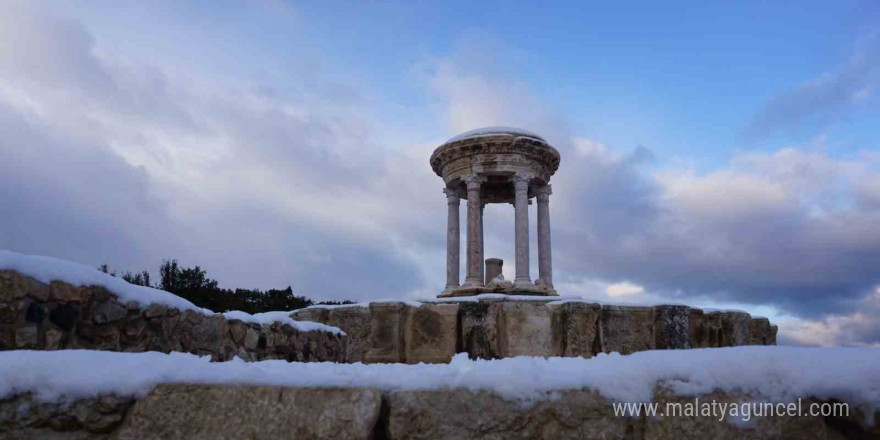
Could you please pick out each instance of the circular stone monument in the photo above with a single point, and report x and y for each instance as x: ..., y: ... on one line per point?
x: 497, y: 165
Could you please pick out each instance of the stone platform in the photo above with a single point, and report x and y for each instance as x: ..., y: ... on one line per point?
x: 499, y: 326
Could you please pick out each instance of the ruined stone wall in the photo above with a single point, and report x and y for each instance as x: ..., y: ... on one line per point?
x: 182, y: 411
x: 57, y: 316
x: 493, y: 329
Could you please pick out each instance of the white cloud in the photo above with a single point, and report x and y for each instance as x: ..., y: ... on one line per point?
x: 624, y: 289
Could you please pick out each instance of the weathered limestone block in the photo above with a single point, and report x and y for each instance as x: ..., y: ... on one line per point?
x: 237, y: 331
x: 759, y: 331
x: 627, y: 329
x: 108, y: 312
x: 706, y: 329
x: 209, y: 335
x: 526, y: 329
x: 576, y: 324
x: 672, y: 327
x: 431, y: 333
x: 54, y: 337
x: 464, y: 414
x: 387, y: 332
x: 479, y: 329
x: 251, y: 338
x: 12, y: 285
x: 355, y: 321
x: 22, y: 417
x: 26, y: 336
x: 252, y: 412
x: 66, y: 293
x: 155, y: 310
x: 690, y: 426
x: 317, y: 314
x: 771, y: 340
x: 735, y: 328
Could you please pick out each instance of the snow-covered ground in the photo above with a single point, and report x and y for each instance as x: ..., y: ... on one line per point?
x: 779, y: 374
x: 47, y: 269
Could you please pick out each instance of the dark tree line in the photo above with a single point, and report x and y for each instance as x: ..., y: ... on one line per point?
x: 193, y: 284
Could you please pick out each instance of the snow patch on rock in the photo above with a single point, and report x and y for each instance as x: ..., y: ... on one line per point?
x: 48, y: 269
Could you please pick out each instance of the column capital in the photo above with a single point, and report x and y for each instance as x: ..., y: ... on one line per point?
x: 474, y: 181
x: 543, y: 193
x: 521, y: 178
x: 453, y: 197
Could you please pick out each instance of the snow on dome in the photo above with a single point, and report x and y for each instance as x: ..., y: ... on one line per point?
x: 47, y: 269
x: 495, y: 130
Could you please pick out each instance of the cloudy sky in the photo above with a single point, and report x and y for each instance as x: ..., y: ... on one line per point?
x: 717, y: 155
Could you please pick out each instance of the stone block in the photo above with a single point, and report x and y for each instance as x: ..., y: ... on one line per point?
x: 316, y: 314
x: 626, y: 329
x: 26, y: 336
x: 251, y: 339
x: 576, y: 327
x: 210, y: 333
x: 219, y: 412
x: 697, y: 426
x: 237, y: 331
x: 355, y: 321
x: 759, y: 331
x: 35, y: 289
x: 54, y: 337
x: 464, y: 414
x: 109, y: 311
x: 526, y: 329
x: 706, y: 330
x: 155, y: 310
x: 431, y: 333
x: 735, y: 328
x: 9, y: 312
x: 7, y: 337
x: 387, y: 332
x: 672, y: 327
x: 478, y: 332
x: 66, y: 293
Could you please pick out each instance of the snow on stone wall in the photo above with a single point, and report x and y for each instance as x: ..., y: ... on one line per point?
x: 523, y: 397
x: 51, y: 304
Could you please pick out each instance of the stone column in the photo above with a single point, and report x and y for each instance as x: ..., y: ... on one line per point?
x: 483, y: 279
x: 545, y: 263
x: 521, y: 207
x: 474, y: 232
x: 452, y: 238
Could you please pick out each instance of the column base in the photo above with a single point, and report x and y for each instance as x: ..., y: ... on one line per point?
x: 451, y: 288
x: 523, y: 283
x: 504, y: 288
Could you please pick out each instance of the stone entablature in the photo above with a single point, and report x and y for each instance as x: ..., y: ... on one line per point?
x: 56, y: 316
x: 497, y: 326
x: 500, y: 153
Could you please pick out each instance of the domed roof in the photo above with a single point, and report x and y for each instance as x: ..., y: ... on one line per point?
x: 488, y: 131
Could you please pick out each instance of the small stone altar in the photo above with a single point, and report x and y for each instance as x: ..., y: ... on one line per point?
x: 497, y: 165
